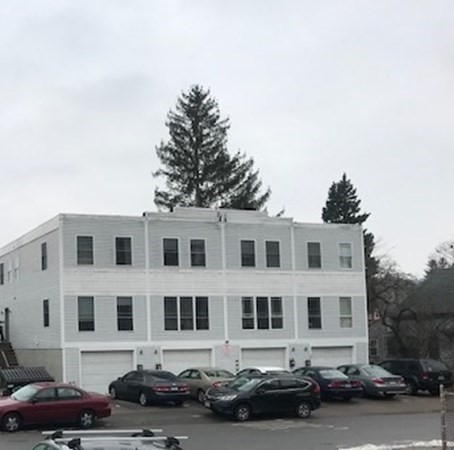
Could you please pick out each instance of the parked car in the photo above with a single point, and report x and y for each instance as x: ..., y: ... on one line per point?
x: 375, y: 380
x: 108, y: 440
x: 247, y: 396
x: 420, y: 374
x: 262, y: 370
x: 13, y: 378
x: 150, y: 386
x: 200, y: 379
x: 39, y: 403
x: 333, y: 383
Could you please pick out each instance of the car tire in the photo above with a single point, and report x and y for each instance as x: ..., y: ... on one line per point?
x: 143, y: 400
x: 113, y: 393
x: 86, y: 419
x: 200, y: 395
x: 434, y: 392
x: 242, y: 412
x: 303, y: 410
x: 412, y: 389
x: 11, y: 422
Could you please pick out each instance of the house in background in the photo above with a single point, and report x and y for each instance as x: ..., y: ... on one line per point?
x: 91, y: 297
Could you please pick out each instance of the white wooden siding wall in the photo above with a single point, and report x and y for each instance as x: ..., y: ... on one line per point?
x: 71, y: 359
x: 24, y: 295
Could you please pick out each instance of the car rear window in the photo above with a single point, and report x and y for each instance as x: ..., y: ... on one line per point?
x: 430, y: 365
x: 164, y: 375
x: 332, y: 373
x: 376, y: 371
x: 219, y: 374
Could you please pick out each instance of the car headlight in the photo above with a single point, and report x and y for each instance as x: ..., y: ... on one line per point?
x: 227, y: 398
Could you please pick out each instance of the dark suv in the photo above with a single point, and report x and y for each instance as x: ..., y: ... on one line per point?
x: 420, y: 374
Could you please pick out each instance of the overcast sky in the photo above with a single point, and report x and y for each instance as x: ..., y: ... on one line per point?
x: 312, y: 89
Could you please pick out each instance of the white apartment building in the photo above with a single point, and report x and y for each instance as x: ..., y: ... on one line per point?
x: 91, y: 297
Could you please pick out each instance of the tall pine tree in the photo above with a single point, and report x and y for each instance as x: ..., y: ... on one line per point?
x: 343, y: 206
x: 196, y: 165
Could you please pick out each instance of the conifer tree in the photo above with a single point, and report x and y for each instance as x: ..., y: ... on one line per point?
x: 196, y: 165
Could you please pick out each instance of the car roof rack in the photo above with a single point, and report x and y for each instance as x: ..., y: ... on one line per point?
x: 143, y: 435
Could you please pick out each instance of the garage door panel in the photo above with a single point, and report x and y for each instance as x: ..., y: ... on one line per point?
x: 100, y: 368
x: 178, y: 360
x: 331, y: 356
x: 251, y: 357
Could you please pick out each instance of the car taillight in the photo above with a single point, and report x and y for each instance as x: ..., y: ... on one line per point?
x: 425, y: 376
x: 183, y: 388
x: 377, y: 381
x: 356, y: 384
x: 161, y: 388
x: 217, y: 384
x: 315, y: 388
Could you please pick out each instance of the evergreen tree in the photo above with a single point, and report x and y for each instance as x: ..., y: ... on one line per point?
x: 196, y: 165
x: 343, y: 206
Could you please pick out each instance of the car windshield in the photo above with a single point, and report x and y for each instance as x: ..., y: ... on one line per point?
x: 430, y: 365
x: 244, y: 384
x: 376, y: 371
x: 332, y: 373
x: 25, y: 393
x: 219, y: 373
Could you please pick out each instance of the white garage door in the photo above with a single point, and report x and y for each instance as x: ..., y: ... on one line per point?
x: 252, y: 357
x: 331, y: 356
x: 100, y: 368
x: 178, y: 360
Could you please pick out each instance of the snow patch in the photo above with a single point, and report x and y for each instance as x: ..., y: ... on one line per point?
x: 402, y: 445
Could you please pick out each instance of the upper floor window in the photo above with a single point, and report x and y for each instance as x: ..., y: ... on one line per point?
x: 44, y: 256
x: 248, y: 253
x: 125, y: 321
x: 273, y: 257
x: 84, y: 250
x: 345, y: 256
x: 373, y: 348
x: 345, y: 309
x: 86, y: 313
x: 314, y: 313
x: 314, y: 255
x: 263, y: 314
x: 198, y: 257
x: 2, y: 274
x: 123, y: 251
x: 45, y: 313
x: 186, y: 313
x: 170, y: 246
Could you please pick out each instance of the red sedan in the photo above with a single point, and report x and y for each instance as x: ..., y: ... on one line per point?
x: 52, y: 402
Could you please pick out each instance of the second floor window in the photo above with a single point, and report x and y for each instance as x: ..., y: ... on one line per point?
x: 86, y: 313
x: 125, y: 320
x: 84, y: 250
x: 314, y: 256
x: 123, y: 251
x: 345, y: 256
x: 345, y: 310
x: 247, y: 253
x: 170, y: 248
x: 198, y: 258
x: 186, y: 313
x: 314, y: 313
x: 45, y: 313
x: 44, y: 256
x: 2, y: 274
x: 273, y: 257
x: 262, y: 313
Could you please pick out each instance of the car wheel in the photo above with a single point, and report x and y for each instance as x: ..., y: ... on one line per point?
x: 143, y: 400
x: 200, y: 395
x: 242, y: 412
x: 411, y: 389
x: 12, y: 422
x: 303, y: 410
x: 113, y: 393
x: 86, y: 419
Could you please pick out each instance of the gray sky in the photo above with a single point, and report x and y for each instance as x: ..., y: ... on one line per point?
x: 312, y: 89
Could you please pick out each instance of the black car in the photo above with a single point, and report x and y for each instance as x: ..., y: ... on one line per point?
x: 375, y: 380
x: 420, y: 374
x: 333, y: 383
x: 247, y: 396
x: 150, y: 386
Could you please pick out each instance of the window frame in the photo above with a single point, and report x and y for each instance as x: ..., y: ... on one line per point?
x: 273, y: 260
x: 346, y: 320
x: 166, y: 255
x: 195, y: 318
x: 314, y: 317
x: 271, y: 319
x: 80, y: 261
x: 2, y: 274
x: 79, y: 317
x: 248, y: 259
x: 46, y: 313
x: 44, y: 260
x: 196, y: 255
x: 125, y: 319
x: 373, y: 349
x: 122, y: 253
x: 345, y: 260
x: 311, y: 256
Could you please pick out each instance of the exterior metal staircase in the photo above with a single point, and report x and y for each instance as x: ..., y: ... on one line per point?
x: 8, y: 356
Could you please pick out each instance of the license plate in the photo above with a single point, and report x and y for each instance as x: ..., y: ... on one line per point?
x: 207, y: 404
x: 174, y: 389
x: 347, y: 385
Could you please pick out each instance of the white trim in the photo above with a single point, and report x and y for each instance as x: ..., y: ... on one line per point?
x: 114, y: 246
x: 178, y: 253
x: 296, y: 332
x: 255, y: 266
x: 61, y: 297
x: 92, y: 249
x: 265, y: 254
x: 190, y: 252
x: 148, y: 321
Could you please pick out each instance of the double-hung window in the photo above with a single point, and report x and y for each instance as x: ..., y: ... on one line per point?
x: 345, y: 256
x: 186, y: 313
x: 170, y: 248
x: 273, y: 257
x: 123, y: 251
x: 86, y: 313
x: 314, y: 256
x: 45, y: 313
x: 2, y: 274
x: 314, y: 313
x: 125, y: 318
x: 262, y: 313
x: 85, y: 250
x: 248, y: 253
x: 198, y: 257
x: 44, y: 256
x: 345, y: 310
